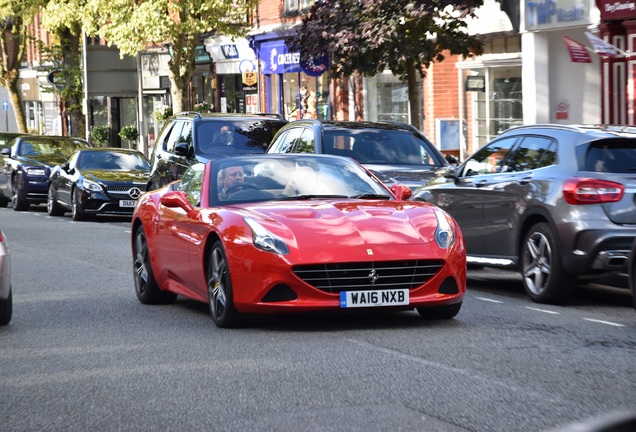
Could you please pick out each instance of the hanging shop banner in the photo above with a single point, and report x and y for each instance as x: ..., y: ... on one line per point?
x: 276, y: 58
x: 578, y: 51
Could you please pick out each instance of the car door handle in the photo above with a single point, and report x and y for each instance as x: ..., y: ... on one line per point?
x: 480, y: 183
x: 525, y: 180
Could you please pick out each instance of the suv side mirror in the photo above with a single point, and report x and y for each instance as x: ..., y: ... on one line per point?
x: 450, y: 172
x: 181, y: 149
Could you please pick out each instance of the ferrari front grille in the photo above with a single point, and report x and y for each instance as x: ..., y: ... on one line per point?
x: 334, y: 278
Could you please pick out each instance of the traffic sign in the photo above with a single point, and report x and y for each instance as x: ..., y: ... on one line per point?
x: 5, y: 105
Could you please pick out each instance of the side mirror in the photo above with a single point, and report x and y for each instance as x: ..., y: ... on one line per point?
x: 451, y: 159
x: 178, y: 199
x: 450, y: 172
x: 181, y: 149
x: 6, y: 151
x: 401, y: 192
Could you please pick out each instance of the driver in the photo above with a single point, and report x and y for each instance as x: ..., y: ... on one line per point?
x: 229, y: 176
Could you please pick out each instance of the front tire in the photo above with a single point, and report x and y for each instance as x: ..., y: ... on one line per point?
x: 544, y: 278
x: 146, y: 286
x: 6, y: 309
x: 77, y: 208
x: 440, y: 312
x: 18, y: 203
x: 52, y: 206
x: 220, y: 297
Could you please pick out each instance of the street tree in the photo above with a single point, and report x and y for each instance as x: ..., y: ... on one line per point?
x: 367, y: 37
x: 134, y: 25
x: 63, y: 20
x: 15, y: 17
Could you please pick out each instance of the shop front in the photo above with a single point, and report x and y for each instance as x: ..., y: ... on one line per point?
x: 293, y: 88
x: 618, y: 72
x: 234, y: 83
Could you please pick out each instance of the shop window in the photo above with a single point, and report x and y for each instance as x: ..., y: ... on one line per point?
x: 297, y: 5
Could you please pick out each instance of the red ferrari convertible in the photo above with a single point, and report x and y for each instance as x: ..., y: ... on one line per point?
x: 294, y: 233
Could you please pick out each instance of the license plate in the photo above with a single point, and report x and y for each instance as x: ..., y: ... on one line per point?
x: 373, y: 298
x: 127, y: 203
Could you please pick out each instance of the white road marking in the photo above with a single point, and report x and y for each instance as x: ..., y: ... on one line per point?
x: 543, y: 310
x: 488, y: 300
x: 604, y: 322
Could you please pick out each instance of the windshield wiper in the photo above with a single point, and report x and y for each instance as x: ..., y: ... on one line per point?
x: 371, y: 196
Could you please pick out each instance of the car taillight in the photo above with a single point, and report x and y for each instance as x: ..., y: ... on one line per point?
x: 579, y: 190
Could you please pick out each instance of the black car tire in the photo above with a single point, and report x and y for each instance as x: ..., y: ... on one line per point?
x: 53, y: 208
x: 146, y: 287
x: 440, y: 312
x: 6, y: 309
x: 544, y: 278
x: 220, y: 297
x: 632, y: 274
x: 18, y: 203
x: 77, y: 209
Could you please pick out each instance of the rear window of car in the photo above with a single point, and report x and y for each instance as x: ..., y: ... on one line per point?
x: 614, y: 156
x: 229, y: 136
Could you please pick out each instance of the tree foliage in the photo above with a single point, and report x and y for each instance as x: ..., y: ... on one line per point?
x: 63, y: 20
x: 15, y: 17
x: 370, y: 36
x: 133, y: 25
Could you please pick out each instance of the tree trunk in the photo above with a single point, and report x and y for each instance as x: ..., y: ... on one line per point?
x: 72, y: 93
x: 16, y: 103
x: 181, y: 67
x: 413, y: 94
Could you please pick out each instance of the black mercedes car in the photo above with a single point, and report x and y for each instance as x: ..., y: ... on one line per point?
x: 99, y: 181
x: 26, y: 167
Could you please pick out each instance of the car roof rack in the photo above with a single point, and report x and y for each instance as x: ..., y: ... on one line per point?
x: 198, y: 114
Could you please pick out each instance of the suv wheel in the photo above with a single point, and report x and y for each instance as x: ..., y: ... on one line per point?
x: 544, y: 278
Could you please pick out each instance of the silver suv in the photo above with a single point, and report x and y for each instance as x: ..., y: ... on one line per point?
x: 553, y: 201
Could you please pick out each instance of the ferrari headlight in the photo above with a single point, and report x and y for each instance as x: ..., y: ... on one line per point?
x: 36, y: 171
x: 444, y: 234
x: 265, y: 240
x: 91, y: 186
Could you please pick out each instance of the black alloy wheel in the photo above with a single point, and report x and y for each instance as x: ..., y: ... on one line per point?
x: 19, y: 204
x: 220, y: 296
x: 53, y: 208
x: 77, y: 208
x: 146, y: 287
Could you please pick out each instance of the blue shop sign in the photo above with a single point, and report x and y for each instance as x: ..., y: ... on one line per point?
x: 276, y: 58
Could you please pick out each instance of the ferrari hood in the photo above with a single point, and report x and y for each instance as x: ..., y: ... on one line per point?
x: 101, y: 175
x: 350, y: 223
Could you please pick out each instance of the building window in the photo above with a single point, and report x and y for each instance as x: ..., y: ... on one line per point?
x: 500, y: 106
x: 298, y: 5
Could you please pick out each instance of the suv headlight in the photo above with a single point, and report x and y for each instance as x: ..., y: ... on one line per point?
x: 444, y: 234
x: 265, y: 240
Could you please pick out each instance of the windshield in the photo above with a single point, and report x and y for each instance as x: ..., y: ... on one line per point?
x: 62, y: 148
x: 380, y: 146
x: 113, y: 160
x: 235, y: 137
x: 288, y: 177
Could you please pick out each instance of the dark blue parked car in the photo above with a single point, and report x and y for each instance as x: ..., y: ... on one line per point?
x: 26, y: 167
